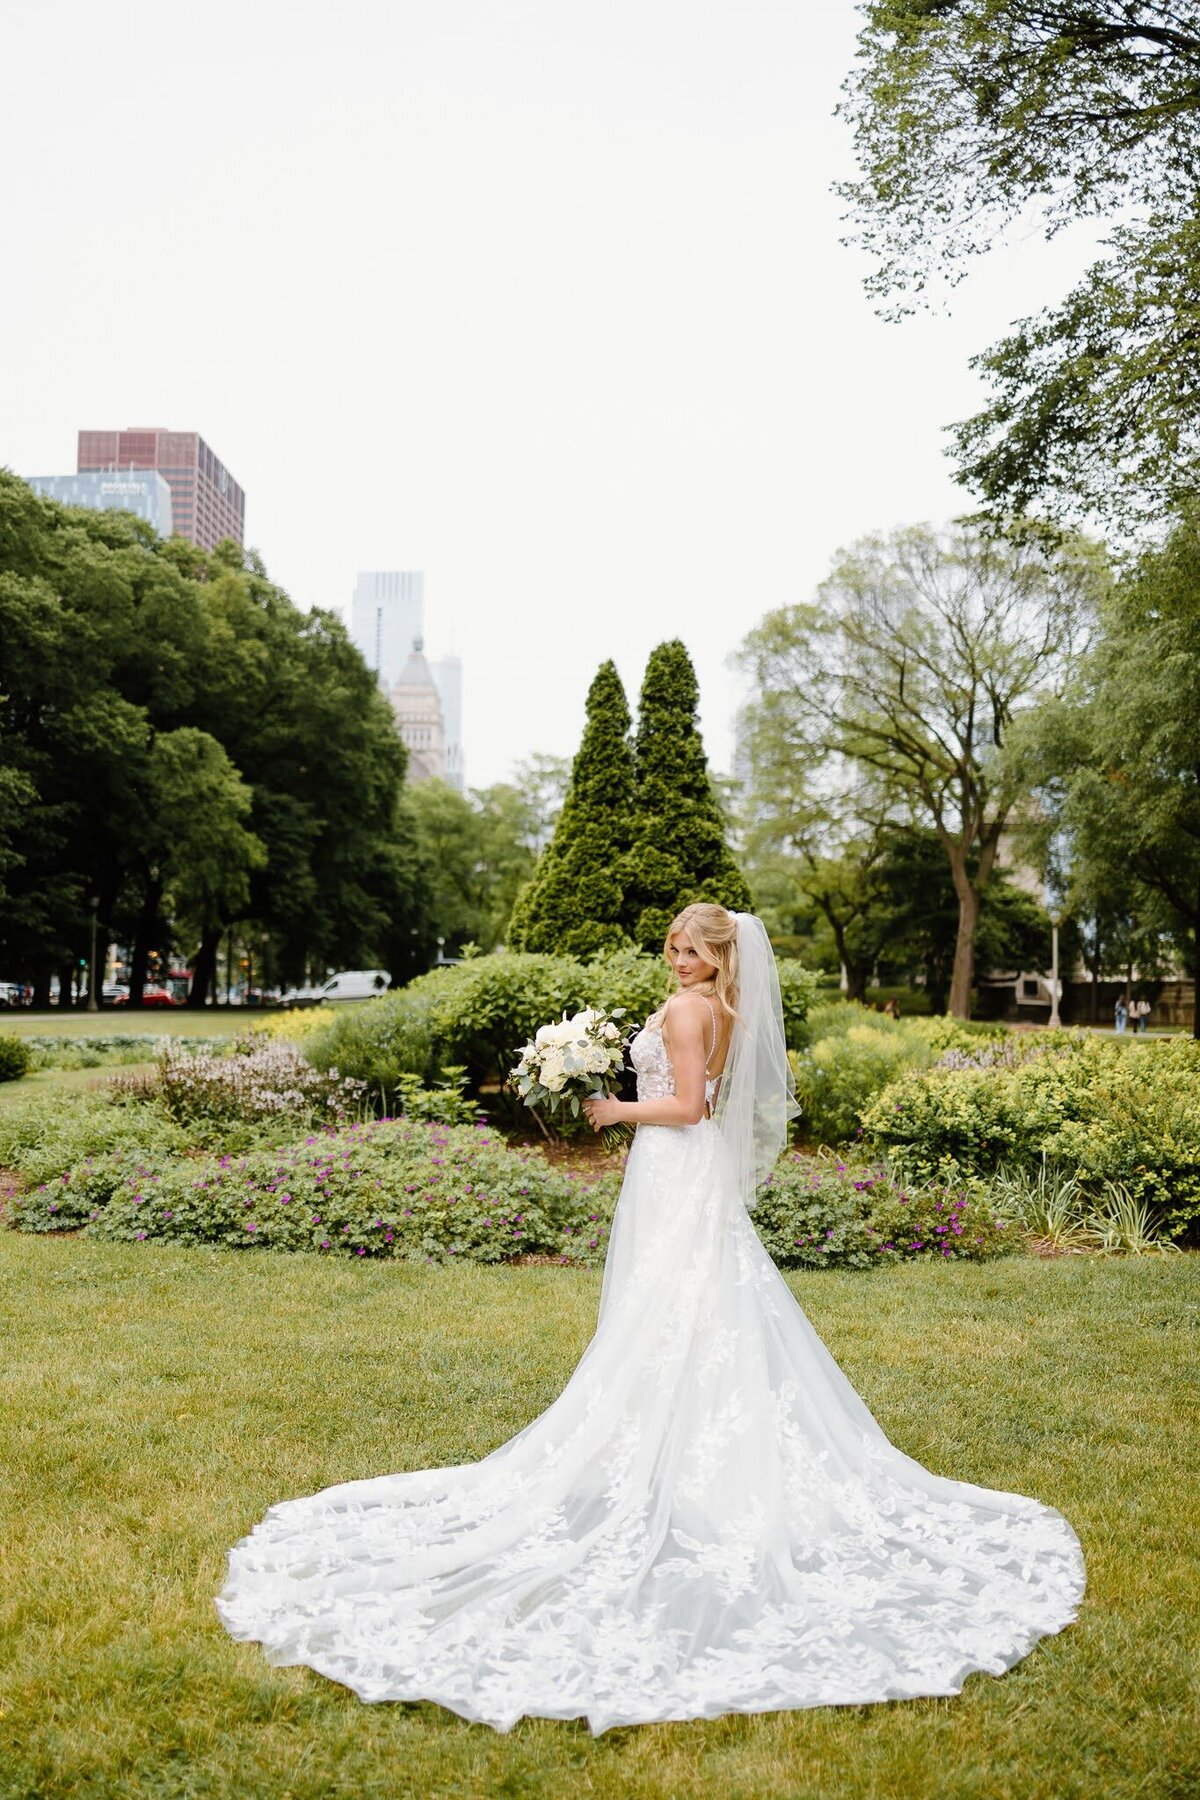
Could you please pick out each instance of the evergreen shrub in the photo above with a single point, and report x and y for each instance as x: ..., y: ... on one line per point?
x: 677, y: 853
x: 573, y: 905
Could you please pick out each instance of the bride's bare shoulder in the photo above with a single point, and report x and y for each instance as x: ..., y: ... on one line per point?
x: 686, y: 1010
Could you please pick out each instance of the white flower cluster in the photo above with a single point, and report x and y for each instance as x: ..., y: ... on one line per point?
x: 571, y: 1059
x: 263, y: 1079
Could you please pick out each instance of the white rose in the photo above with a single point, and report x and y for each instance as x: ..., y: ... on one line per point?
x: 587, y: 1018
x: 553, y: 1075
x: 597, y: 1060
x: 543, y: 1036
x: 611, y: 1032
x: 565, y: 1032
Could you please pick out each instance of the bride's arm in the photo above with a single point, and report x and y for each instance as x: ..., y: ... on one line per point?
x: 688, y: 1018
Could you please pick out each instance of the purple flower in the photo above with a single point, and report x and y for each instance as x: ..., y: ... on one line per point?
x: 250, y: 1225
x: 360, y: 1251
x: 139, y: 1235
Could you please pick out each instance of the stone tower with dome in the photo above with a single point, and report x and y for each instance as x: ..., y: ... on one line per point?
x: 418, y: 708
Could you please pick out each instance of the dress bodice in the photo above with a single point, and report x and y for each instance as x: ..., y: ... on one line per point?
x: 655, y: 1076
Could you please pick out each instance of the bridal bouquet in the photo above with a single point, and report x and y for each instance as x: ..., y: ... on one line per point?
x: 572, y: 1060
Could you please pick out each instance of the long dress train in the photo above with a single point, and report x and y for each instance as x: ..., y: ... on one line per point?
x: 707, y: 1520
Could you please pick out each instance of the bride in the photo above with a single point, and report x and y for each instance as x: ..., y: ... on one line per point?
x: 708, y: 1519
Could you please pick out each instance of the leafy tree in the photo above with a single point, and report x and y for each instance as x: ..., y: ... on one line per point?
x: 1121, y: 756
x: 972, y: 114
x: 112, y: 645
x: 574, y: 902
x: 912, y: 665
x: 678, y: 852
x: 542, y: 782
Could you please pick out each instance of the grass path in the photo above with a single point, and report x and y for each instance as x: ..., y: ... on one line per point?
x: 156, y: 1401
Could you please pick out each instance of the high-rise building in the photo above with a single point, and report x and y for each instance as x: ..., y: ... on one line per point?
x: 447, y: 675
x: 387, y: 615
x: 144, y: 493
x: 206, y: 502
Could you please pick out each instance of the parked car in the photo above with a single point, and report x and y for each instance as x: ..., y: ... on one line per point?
x: 13, y: 993
x: 152, y: 995
x: 114, y: 993
x: 350, y: 984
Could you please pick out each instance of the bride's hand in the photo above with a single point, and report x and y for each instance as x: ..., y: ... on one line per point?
x: 602, y: 1112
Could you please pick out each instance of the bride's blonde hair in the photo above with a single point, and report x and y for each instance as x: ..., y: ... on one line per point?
x: 713, y: 932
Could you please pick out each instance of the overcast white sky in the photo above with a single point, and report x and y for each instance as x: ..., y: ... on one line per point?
x: 544, y: 298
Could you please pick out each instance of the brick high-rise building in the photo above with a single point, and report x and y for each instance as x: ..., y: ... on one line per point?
x: 206, y: 502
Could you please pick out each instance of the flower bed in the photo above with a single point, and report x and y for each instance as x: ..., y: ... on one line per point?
x: 389, y: 1188
x: 816, y: 1212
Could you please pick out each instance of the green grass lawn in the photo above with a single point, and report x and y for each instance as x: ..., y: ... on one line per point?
x: 118, y: 1021
x: 156, y: 1401
x: 44, y: 1082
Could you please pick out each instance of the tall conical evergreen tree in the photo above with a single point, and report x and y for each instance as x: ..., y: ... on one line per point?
x: 574, y: 901
x: 678, y: 853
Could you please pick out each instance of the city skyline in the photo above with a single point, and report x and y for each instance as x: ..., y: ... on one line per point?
x: 572, y: 326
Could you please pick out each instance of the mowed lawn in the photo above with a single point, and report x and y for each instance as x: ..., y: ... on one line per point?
x: 156, y: 1401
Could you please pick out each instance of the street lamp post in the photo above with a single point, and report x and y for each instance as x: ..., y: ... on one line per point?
x: 1055, y: 921
x: 93, y: 999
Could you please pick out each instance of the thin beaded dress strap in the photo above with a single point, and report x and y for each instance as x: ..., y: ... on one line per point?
x: 712, y: 1050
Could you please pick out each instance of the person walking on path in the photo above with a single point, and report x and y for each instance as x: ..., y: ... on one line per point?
x: 1121, y: 1013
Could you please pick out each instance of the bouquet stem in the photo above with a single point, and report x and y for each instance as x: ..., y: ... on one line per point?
x: 616, y: 1137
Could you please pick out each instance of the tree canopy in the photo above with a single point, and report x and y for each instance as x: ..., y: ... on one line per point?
x: 972, y: 115
x: 190, y: 751
x: 900, y: 683
x: 1116, y: 761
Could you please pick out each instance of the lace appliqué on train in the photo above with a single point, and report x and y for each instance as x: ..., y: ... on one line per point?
x: 707, y: 1520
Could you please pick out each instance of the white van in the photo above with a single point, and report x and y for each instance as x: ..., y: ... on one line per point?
x: 357, y: 984
x: 350, y: 984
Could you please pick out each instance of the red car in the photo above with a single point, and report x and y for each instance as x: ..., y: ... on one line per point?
x: 151, y: 996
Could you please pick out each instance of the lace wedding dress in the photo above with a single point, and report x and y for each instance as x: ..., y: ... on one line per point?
x: 707, y: 1520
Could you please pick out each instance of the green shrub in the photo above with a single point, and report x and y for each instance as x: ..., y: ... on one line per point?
x: 1095, y: 1108
x: 48, y: 1136
x: 851, y: 1054
x: 390, y: 1188
x: 798, y: 988
x: 817, y: 1212
x: 15, y: 1058
x: 477, y: 1014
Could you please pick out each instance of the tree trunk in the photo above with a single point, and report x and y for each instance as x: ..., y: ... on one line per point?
x: 856, y: 983
x: 66, y: 977
x: 204, y: 968
x: 142, y: 943
x: 41, y: 989
x: 963, y: 976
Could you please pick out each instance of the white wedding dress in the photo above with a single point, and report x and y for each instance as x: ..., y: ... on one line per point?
x: 707, y: 1520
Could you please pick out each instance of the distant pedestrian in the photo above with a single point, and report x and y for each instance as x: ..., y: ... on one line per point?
x: 1121, y: 1013
x: 1142, y: 1013
x: 892, y: 1008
